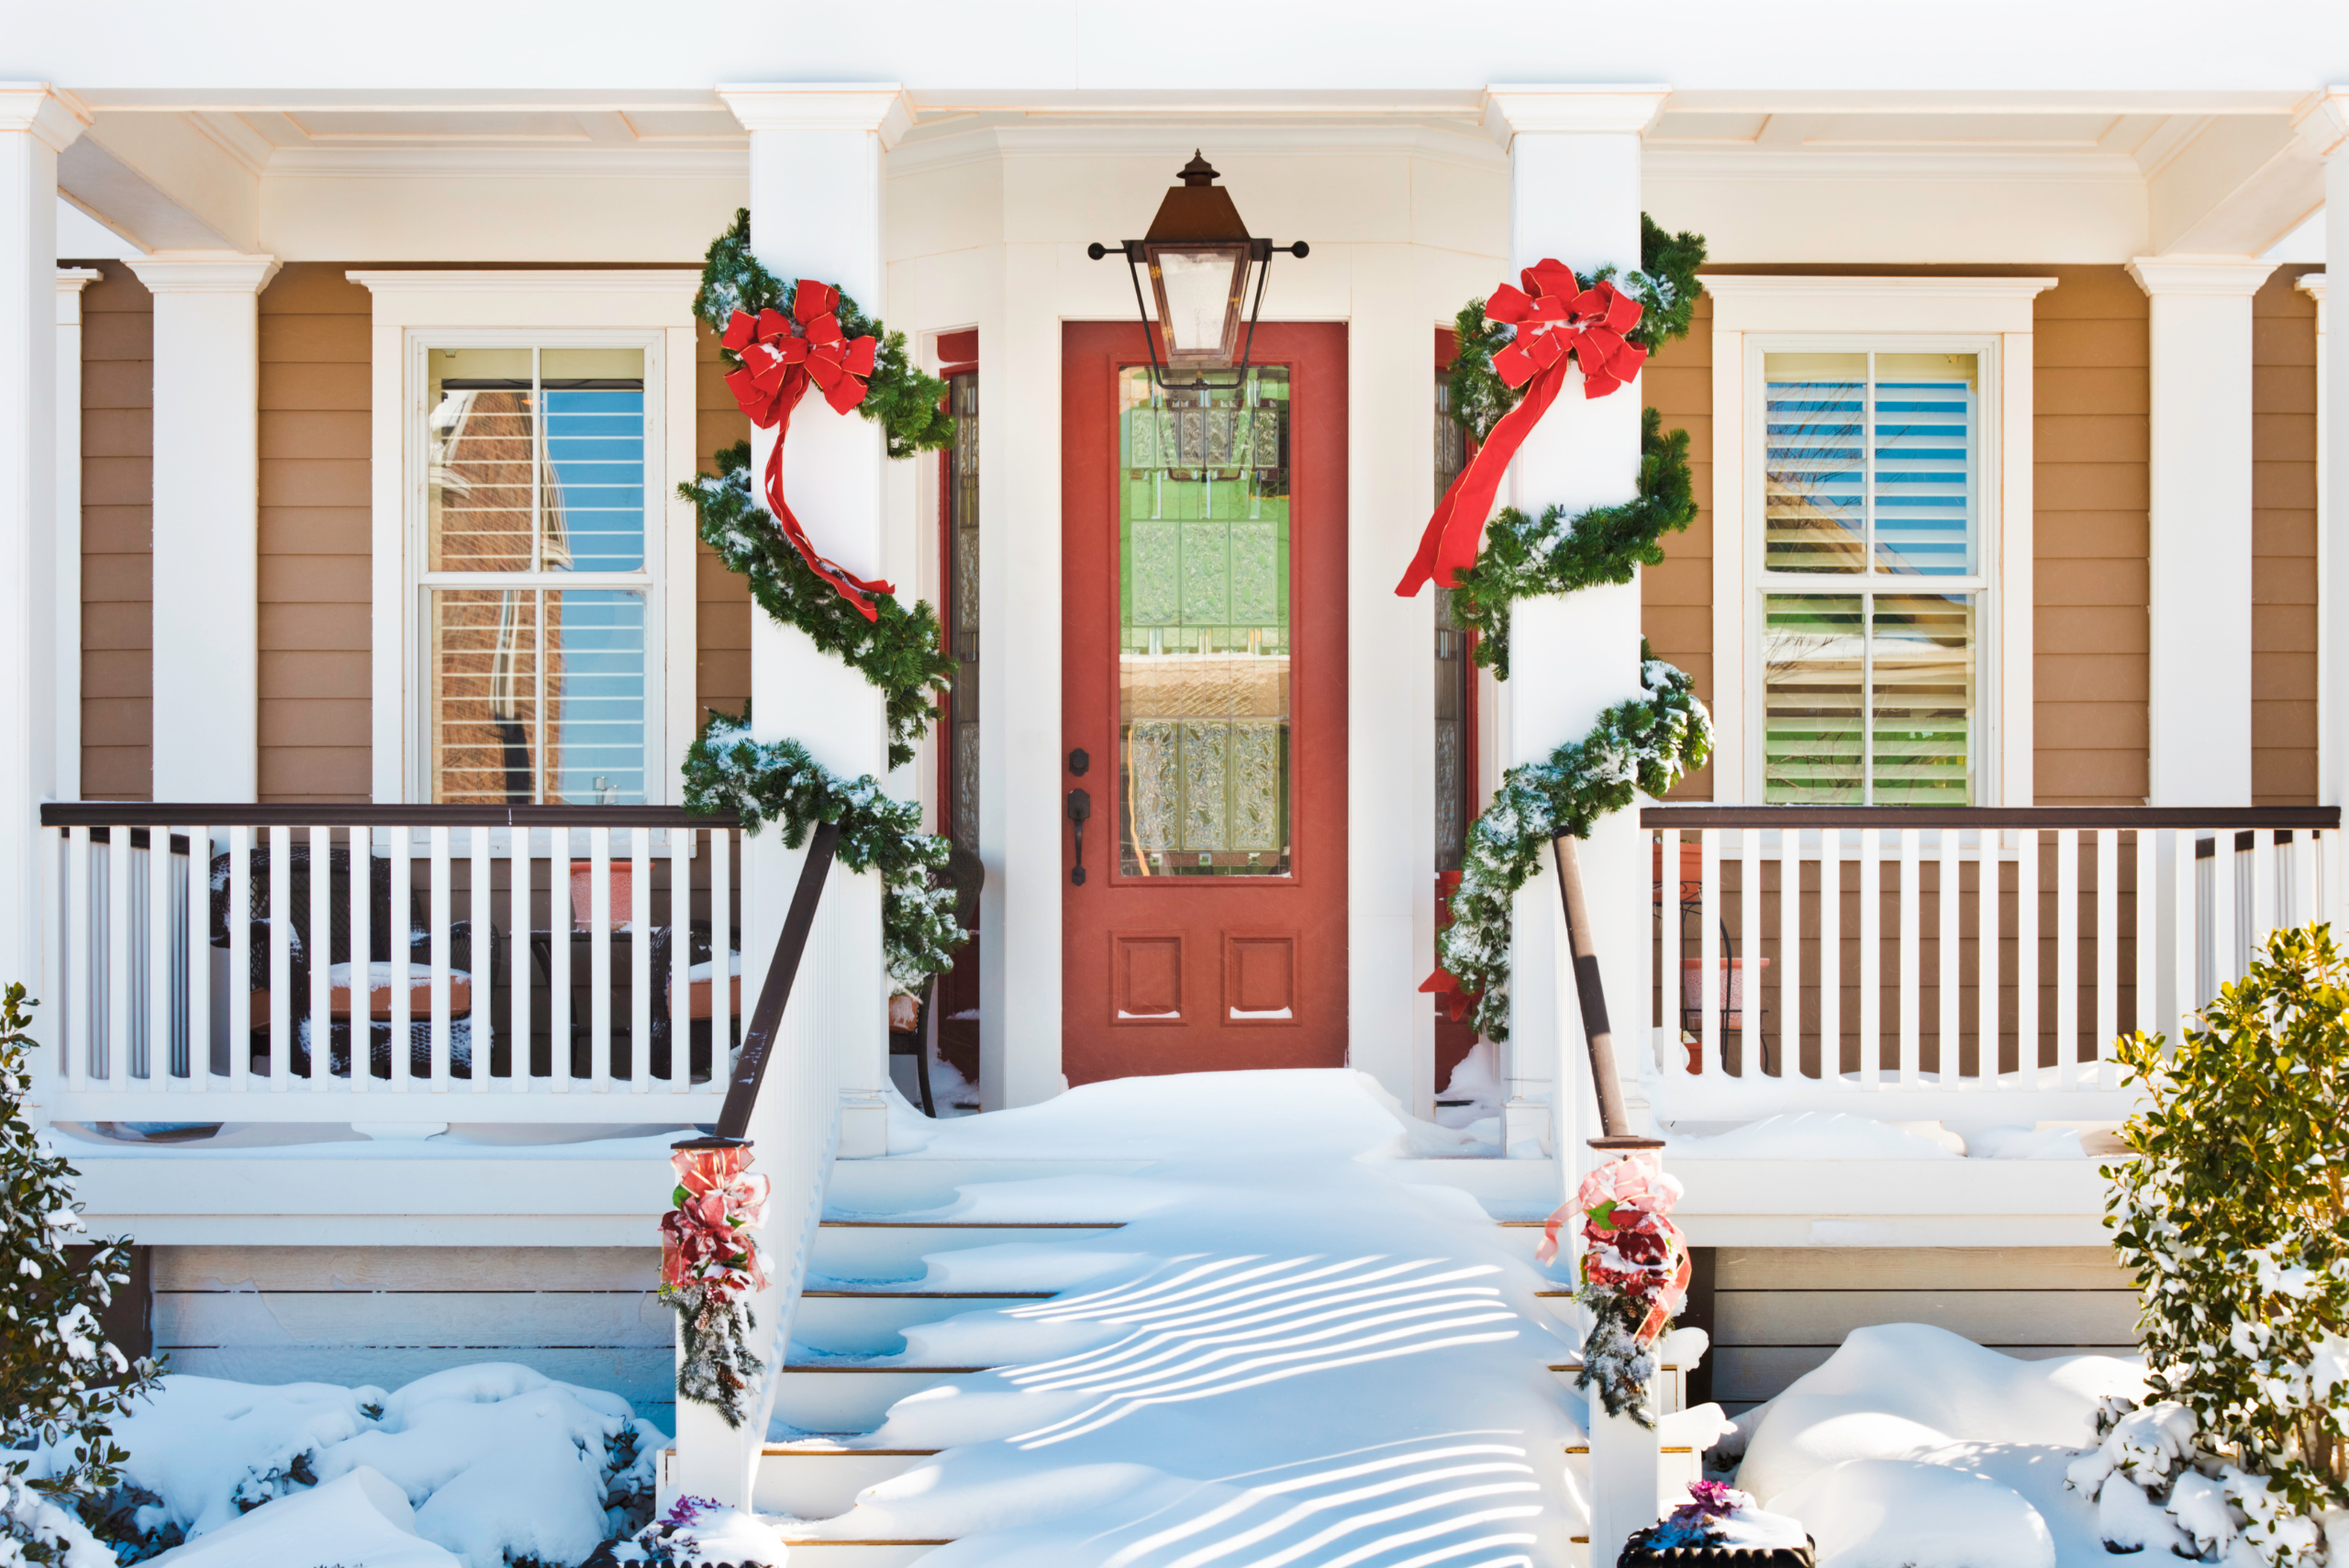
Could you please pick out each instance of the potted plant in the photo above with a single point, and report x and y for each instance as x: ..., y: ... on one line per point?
x: 1718, y: 1524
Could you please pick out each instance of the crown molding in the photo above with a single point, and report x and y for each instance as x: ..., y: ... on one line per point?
x: 1466, y: 147
x: 57, y: 118
x: 1664, y: 160
x: 1750, y: 286
x: 2228, y: 275
x: 1744, y: 302
x: 880, y: 107
x: 521, y: 280
x: 71, y: 281
x: 203, y: 271
x: 1512, y: 108
x: 2311, y: 285
x: 458, y: 162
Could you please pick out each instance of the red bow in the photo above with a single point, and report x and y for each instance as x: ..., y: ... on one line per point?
x: 1555, y: 317
x: 706, y: 1240
x: 778, y: 363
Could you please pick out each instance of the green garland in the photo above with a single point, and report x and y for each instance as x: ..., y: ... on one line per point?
x: 1636, y: 746
x: 778, y: 781
x: 1640, y: 745
x: 900, y: 651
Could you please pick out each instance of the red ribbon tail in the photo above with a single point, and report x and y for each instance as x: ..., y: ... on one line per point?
x: 853, y: 589
x: 1422, y: 567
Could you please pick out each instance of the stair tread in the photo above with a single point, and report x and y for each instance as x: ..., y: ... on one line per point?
x: 807, y: 1450
x: 828, y: 1223
x: 790, y: 1365
x: 931, y: 1295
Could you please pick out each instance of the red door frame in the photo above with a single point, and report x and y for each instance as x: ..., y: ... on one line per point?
x: 1216, y: 918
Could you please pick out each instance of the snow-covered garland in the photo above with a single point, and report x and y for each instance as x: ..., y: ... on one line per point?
x: 1635, y: 1269
x: 2233, y: 1219
x: 1636, y: 746
x: 709, y: 1263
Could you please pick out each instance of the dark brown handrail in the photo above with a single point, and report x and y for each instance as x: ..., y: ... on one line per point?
x: 1614, y: 1125
x: 757, y: 1035
x: 2239, y: 817
x: 237, y: 814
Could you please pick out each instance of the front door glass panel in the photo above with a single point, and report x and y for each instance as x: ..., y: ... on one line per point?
x: 1203, y: 611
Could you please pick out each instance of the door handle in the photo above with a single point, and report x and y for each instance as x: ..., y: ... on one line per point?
x: 1080, y: 807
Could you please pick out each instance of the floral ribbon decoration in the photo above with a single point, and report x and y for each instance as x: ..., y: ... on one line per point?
x: 1555, y: 317
x: 1632, y: 1244
x: 706, y: 1241
x: 781, y: 358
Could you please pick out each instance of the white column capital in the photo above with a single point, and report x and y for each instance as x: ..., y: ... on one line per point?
x: 2323, y: 122
x: 2201, y: 274
x: 57, y: 118
x: 71, y: 281
x: 877, y: 107
x: 204, y: 271
x: 1512, y: 108
x: 2313, y: 285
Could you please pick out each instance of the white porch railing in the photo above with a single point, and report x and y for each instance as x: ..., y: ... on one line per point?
x: 454, y: 963
x: 1963, y: 953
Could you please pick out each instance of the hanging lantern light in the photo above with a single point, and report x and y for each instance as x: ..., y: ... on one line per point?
x: 1200, y: 254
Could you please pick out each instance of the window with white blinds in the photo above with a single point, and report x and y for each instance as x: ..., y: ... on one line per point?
x: 539, y: 550
x: 1872, y: 585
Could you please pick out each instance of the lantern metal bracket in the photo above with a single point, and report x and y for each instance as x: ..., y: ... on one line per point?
x: 1260, y: 254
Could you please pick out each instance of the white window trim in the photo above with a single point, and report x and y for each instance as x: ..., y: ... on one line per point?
x: 1987, y: 315
x: 649, y: 307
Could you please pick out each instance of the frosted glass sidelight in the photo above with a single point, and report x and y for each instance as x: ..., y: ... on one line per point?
x: 1204, y: 612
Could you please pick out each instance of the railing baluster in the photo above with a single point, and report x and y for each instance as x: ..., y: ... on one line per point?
x: 1948, y: 1054
x: 1989, y: 847
x: 402, y: 946
x: 562, y: 922
x: 517, y: 964
x: 1744, y: 983
x: 161, y: 996
x: 1665, y: 847
x: 1871, y: 959
x: 2186, y: 933
x: 2068, y: 957
x: 441, y: 945
x: 240, y: 917
x: 640, y: 961
x: 2107, y: 945
x: 677, y: 985
x: 2263, y: 889
x: 1831, y: 957
x: 721, y: 949
x: 2148, y: 943
x: 81, y: 934
x: 120, y: 1019
x: 1712, y: 983
x: 2224, y: 943
x: 483, y: 956
x: 280, y: 959
x: 320, y: 1003
x: 1790, y: 952
x: 359, y: 994
x: 199, y: 959
x: 1911, y: 915
x: 2303, y: 911
x: 599, y: 957
x: 2027, y: 997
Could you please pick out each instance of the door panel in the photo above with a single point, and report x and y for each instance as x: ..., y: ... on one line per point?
x: 1204, y: 641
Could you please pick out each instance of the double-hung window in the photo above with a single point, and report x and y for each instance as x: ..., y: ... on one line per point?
x: 1871, y: 576
x: 537, y: 594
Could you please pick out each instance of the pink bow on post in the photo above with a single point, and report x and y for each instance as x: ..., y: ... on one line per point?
x: 706, y: 1238
x: 1555, y: 318
x: 1632, y: 1245
x: 780, y: 358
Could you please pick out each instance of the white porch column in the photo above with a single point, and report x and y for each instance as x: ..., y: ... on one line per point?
x: 1574, y: 195
x: 2200, y: 597
x: 36, y: 123
x: 208, y: 521
x: 71, y: 281
x: 815, y: 212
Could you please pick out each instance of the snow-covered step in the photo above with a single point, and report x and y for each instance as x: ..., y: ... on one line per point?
x: 814, y: 1554
x: 886, y: 1251
x: 818, y: 1479
x: 853, y: 1397
x: 866, y: 1189
x: 872, y: 1322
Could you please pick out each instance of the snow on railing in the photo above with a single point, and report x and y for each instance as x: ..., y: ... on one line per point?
x: 544, y: 964
x: 1911, y: 983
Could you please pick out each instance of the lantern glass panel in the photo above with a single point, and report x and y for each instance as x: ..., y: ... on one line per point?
x: 1199, y: 290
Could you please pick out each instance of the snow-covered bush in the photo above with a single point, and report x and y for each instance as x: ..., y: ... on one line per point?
x: 61, y: 1381
x: 2233, y: 1220
x: 697, y: 1532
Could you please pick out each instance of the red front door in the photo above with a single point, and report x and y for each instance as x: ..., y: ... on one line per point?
x: 1203, y: 680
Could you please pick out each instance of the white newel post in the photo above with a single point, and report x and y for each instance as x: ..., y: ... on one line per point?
x: 1574, y: 195
x: 71, y: 281
x: 2199, y: 592
x: 208, y: 521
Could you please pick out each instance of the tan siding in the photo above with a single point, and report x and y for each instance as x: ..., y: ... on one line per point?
x: 1677, y: 598
x: 117, y: 534
x: 316, y: 599
x: 722, y: 615
x: 2283, y: 542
